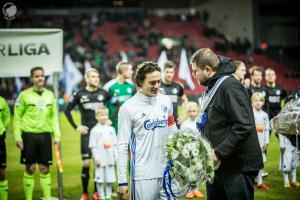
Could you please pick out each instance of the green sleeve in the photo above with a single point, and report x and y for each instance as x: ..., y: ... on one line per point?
x: 20, y: 107
x: 55, y: 124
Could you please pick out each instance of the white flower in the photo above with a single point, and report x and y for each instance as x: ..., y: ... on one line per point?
x: 191, y: 146
x: 179, y: 144
x: 186, y: 133
x: 174, y: 154
x: 185, y: 152
x: 190, y: 175
x: 198, y: 165
x: 195, y: 152
x: 171, y: 142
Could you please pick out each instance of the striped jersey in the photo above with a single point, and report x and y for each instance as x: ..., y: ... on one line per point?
x: 145, y: 123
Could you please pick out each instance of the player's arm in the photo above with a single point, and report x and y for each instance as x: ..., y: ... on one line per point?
x: 19, y: 110
x: 124, y: 132
x: 93, y: 147
x: 283, y: 98
x: 54, y: 120
x: 172, y: 128
x: 5, y: 113
x: 71, y: 105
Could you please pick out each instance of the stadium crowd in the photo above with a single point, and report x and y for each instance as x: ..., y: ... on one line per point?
x: 102, y: 67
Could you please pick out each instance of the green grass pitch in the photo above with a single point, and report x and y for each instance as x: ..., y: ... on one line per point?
x: 72, y: 168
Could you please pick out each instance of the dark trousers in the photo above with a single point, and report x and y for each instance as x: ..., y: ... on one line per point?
x: 231, y: 187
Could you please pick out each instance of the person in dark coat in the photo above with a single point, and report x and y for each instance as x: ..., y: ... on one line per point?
x: 230, y: 128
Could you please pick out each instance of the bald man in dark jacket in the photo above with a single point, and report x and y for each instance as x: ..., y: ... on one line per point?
x: 230, y: 128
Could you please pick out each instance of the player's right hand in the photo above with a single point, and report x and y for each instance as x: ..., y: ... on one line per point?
x: 20, y: 145
x: 83, y: 130
x: 123, y: 190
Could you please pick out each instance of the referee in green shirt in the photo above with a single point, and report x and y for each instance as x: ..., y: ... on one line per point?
x: 4, y: 120
x: 35, y: 120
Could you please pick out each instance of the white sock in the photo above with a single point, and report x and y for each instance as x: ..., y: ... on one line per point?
x: 286, y: 178
x: 108, y: 190
x: 293, y: 176
x: 259, y: 177
x: 101, y: 192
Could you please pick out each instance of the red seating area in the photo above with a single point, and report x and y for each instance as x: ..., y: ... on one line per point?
x: 194, y: 30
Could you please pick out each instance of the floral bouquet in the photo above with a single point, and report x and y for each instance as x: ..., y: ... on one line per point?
x: 189, y: 161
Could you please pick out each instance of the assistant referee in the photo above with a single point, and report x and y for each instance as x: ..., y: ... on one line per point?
x: 35, y: 121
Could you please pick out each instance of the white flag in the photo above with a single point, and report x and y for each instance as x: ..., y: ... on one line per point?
x: 184, y: 71
x: 162, y: 59
x: 123, y: 56
x: 18, y: 84
x: 87, y: 64
x: 49, y: 80
x: 72, y: 75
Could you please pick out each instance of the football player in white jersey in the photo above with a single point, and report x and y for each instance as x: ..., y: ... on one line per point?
x: 145, y: 122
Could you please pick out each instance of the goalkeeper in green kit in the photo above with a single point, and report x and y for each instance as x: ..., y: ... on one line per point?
x: 35, y: 123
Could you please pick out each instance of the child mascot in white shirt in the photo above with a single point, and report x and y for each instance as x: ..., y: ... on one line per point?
x: 262, y: 128
x: 103, y: 144
x: 289, y: 162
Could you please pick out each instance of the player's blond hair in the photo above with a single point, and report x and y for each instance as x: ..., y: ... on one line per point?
x: 122, y: 66
x: 100, y: 109
x: 258, y: 95
x: 191, y: 104
x: 87, y: 71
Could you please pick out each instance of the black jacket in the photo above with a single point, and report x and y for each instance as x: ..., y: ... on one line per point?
x: 230, y: 127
